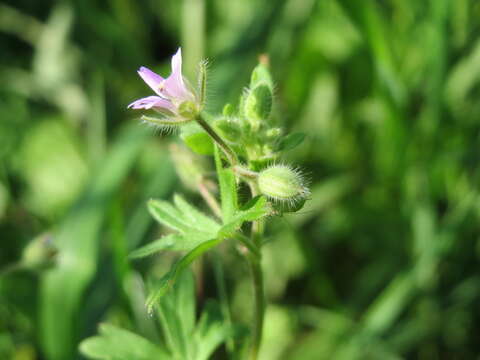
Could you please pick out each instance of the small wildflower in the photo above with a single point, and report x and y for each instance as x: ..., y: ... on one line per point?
x: 175, y: 99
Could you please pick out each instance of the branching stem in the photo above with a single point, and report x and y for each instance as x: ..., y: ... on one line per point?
x: 254, y: 246
x: 231, y: 157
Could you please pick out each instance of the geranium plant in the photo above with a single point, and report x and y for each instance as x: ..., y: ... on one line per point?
x: 247, y: 148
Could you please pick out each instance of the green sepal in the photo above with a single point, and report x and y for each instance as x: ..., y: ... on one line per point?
x: 261, y: 74
x: 281, y: 207
x: 228, y: 110
x: 290, y: 142
x: 258, y: 104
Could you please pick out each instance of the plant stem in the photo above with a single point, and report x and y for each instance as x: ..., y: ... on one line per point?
x: 209, y: 199
x: 254, y: 257
x: 259, y: 306
x: 7, y: 270
x: 244, y: 172
x: 224, y: 301
x: 232, y: 158
x: 255, y: 262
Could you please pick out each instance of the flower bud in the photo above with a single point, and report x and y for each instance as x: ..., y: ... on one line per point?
x: 280, y: 182
x: 273, y: 133
x: 39, y: 253
x: 258, y: 104
x: 228, y: 129
x: 228, y: 110
x: 261, y: 74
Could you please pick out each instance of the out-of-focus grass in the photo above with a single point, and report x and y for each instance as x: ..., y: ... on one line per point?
x: 381, y: 262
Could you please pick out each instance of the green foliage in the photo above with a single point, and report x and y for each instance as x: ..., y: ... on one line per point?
x: 197, y: 234
x: 385, y: 251
x: 184, y: 338
x: 290, y: 141
x: 115, y: 343
x: 196, y: 139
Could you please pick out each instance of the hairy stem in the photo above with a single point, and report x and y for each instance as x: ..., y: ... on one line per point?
x: 255, y: 262
x: 224, y: 301
x: 232, y: 158
x: 259, y: 306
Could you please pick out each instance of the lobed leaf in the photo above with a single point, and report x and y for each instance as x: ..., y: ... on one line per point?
x: 168, y: 242
x: 196, y: 218
x: 177, y: 312
x: 115, y: 343
x: 168, y: 215
x: 211, y: 331
x: 255, y: 209
x: 167, y: 281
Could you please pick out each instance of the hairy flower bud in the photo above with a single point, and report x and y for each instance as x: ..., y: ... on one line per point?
x: 258, y: 104
x: 282, y: 183
x: 229, y: 129
x: 261, y: 74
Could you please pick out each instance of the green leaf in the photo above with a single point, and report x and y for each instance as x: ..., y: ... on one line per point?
x: 169, y: 278
x: 196, y: 218
x: 255, y: 209
x: 290, y: 141
x: 114, y: 343
x: 211, y: 331
x: 197, y: 139
x: 168, y: 215
x: 172, y: 242
x: 177, y: 312
x: 228, y: 188
x: 168, y: 242
x: 183, y: 217
x: 194, y: 227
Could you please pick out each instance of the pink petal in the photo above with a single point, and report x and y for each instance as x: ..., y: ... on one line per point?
x: 152, y: 79
x: 150, y: 102
x: 174, y: 85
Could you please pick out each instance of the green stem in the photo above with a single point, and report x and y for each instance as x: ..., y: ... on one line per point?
x: 209, y: 199
x: 232, y: 158
x: 244, y: 172
x: 255, y: 263
x: 259, y: 309
x: 224, y: 301
x: 7, y: 270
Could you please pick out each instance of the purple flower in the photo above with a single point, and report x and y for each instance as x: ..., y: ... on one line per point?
x: 171, y: 92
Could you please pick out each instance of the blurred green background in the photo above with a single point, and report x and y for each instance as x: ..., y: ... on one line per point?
x: 382, y: 263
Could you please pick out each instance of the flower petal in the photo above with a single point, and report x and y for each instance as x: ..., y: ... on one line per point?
x: 152, y: 79
x: 174, y: 84
x: 150, y: 102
